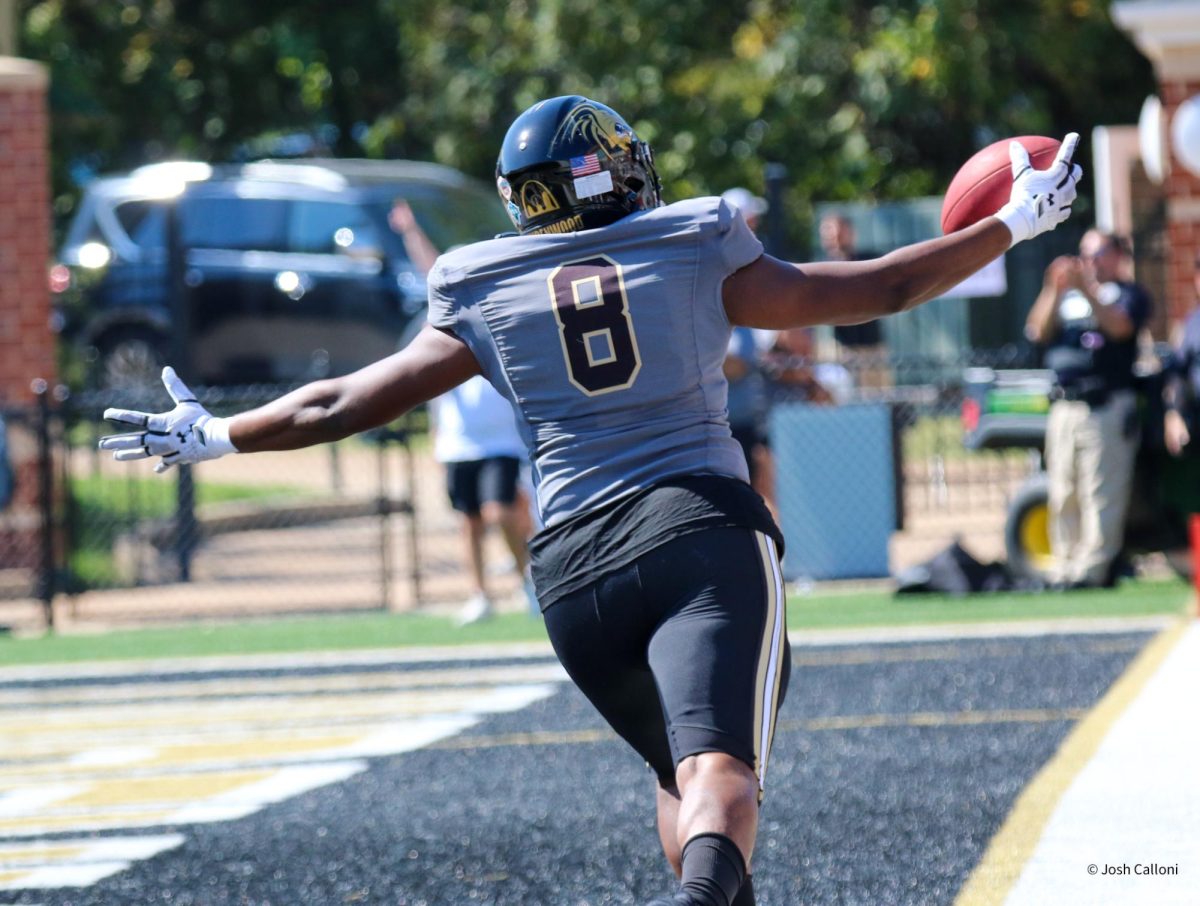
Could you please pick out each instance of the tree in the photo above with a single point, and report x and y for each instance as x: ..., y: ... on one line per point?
x: 859, y: 100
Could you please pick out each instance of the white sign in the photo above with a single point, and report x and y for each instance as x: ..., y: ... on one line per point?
x: 990, y: 281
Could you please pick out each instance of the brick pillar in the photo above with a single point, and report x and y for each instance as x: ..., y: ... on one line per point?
x: 1183, y: 208
x: 1168, y: 33
x: 26, y: 341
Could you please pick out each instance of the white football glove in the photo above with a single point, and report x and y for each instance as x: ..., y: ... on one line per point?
x: 186, y: 434
x: 1041, y: 199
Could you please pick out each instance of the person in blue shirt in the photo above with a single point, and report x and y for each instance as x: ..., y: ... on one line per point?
x: 605, y: 321
x: 1181, y: 390
x: 7, y: 479
x: 748, y: 406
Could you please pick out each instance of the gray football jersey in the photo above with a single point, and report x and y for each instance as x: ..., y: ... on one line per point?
x: 608, y: 343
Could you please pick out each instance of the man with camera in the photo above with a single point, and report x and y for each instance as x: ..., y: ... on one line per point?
x: 1087, y: 318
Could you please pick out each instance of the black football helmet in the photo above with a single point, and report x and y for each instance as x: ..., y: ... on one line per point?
x: 569, y: 163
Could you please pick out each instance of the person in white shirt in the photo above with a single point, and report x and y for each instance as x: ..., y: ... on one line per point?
x: 475, y: 436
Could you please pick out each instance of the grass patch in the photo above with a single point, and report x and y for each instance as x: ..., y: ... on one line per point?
x: 103, y: 508
x: 151, y: 497
x: 942, y: 435
x: 265, y: 636
x: 1132, y: 599
x: 377, y: 630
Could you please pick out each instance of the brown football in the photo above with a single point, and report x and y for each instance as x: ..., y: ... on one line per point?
x: 984, y: 183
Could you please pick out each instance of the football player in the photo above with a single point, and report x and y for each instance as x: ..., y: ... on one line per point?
x: 604, y: 320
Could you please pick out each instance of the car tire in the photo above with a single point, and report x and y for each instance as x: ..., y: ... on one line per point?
x: 1027, y: 530
x: 130, y: 358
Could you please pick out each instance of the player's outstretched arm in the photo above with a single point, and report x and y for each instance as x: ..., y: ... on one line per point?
x: 434, y: 362
x: 776, y: 294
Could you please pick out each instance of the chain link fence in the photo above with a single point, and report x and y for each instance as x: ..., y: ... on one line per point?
x: 353, y: 526
x: 364, y: 524
x: 883, y: 474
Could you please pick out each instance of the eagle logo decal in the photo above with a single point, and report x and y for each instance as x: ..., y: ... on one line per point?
x: 599, y: 127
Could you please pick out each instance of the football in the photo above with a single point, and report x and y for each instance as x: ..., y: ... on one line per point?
x: 983, y: 184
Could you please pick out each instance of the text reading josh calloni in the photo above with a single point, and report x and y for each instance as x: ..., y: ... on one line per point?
x: 1137, y: 869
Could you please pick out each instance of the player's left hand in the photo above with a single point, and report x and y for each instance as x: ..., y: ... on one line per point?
x: 189, y: 433
x: 1041, y: 199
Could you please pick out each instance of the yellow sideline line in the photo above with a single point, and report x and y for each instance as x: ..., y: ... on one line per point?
x: 997, y: 872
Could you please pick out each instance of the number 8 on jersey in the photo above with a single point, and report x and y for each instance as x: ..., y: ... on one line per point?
x: 599, y: 345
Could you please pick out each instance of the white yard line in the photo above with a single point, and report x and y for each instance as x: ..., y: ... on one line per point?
x: 93, y: 860
x: 513, y: 650
x: 1114, y: 817
x: 1133, y: 812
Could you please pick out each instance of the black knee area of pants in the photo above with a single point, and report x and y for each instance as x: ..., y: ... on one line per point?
x: 713, y: 870
x: 745, y: 894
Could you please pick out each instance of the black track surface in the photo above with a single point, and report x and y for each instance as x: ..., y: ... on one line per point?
x: 875, y: 812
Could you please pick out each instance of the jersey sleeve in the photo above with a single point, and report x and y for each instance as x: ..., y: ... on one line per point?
x: 736, y: 242
x: 443, y: 310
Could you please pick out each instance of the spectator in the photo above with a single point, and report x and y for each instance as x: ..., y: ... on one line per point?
x: 792, y: 370
x: 751, y: 206
x: 748, y: 406
x: 1088, y: 317
x: 1181, y: 392
x: 860, y: 347
x: 749, y: 400
x: 476, y: 438
x: 417, y: 244
x: 7, y: 479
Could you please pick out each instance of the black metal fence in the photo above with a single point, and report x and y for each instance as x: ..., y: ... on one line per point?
x: 363, y: 524
x: 333, y: 528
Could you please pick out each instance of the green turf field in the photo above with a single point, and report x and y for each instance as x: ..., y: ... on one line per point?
x: 820, y: 610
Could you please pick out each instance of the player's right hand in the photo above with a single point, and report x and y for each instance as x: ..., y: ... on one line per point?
x: 1061, y: 273
x: 1041, y: 199
x: 189, y: 433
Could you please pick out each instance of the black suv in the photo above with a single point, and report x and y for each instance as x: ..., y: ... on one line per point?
x: 290, y: 270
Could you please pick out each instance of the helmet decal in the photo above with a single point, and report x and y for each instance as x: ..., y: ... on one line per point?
x: 504, y: 187
x: 537, y: 200
x: 598, y: 126
x: 591, y: 186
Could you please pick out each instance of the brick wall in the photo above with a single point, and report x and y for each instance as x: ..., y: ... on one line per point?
x: 1168, y: 33
x: 26, y: 342
x: 1183, y: 209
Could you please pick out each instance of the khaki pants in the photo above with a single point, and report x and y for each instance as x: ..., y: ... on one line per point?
x: 1089, y: 462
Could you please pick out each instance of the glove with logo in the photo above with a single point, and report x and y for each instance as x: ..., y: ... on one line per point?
x: 1041, y: 199
x: 186, y: 434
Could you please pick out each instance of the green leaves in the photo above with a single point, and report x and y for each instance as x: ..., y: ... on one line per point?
x: 858, y: 100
